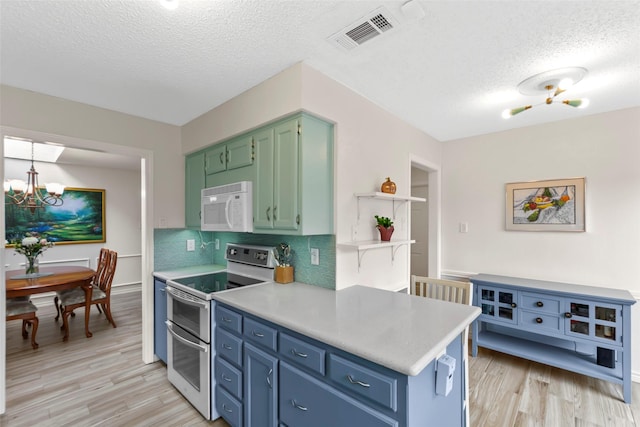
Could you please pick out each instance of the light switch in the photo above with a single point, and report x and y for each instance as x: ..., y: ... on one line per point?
x: 191, y: 245
x: 464, y: 227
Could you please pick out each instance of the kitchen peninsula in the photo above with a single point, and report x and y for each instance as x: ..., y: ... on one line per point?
x: 298, y: 354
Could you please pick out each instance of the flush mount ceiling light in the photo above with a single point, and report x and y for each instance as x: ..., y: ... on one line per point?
x: 552, y: 83
x: 29, y: 194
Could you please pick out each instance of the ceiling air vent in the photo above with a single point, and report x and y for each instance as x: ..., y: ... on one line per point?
x: 365, y: 29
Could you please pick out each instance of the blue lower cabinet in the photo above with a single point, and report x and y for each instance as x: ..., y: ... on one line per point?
x: 261, y: 388
x: 229, y: 377
x: 306, y: 401
x: 228, y: 407
x: 160, y: 318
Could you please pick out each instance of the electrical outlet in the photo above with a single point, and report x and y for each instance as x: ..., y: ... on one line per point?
x: 315, y: 256
x: 191, y: 245
x: 217, y: 243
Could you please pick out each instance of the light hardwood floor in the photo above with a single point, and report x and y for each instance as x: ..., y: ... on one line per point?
x: 101, y: 381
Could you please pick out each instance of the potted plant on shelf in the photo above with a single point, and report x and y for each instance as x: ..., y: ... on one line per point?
x: 385, y: 226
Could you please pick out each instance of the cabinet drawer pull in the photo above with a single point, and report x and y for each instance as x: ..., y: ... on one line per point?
x: 257, y: 334
x: 275, y: 208
x: 227, y: 379
x: 224, y: 406
x: 268, y: 213
x: 540, y: 304
x: 222, y: 158
x: 567, y: 315
x: 360, y: 383
x: 226, y: 346
x: 269, y: 378
x: 226, y: 319
x: 295, y: 405
x: 538, y: 319
x: 297, y: 353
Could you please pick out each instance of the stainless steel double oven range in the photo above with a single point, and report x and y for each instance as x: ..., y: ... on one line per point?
x: 190, y: 316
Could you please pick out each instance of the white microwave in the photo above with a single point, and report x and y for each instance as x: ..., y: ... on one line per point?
x: 227, y: 207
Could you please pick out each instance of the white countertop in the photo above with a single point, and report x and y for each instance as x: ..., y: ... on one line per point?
x: 399, y: 331
x: 195, y: 270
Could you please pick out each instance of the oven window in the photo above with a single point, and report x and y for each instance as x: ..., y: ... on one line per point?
x: 187, y: 316
x: 186, y: 360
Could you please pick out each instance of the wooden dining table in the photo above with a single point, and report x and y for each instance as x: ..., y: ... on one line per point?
x: 53, y: 279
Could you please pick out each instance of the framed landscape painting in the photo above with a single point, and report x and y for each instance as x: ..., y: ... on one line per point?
x: 551, y: 205
x: 80, y: 219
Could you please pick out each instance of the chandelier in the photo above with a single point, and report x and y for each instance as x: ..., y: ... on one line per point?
x: 29, y: 194
x: 552, y: 83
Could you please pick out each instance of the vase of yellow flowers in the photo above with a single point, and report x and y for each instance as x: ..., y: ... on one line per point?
x: 32, y: 246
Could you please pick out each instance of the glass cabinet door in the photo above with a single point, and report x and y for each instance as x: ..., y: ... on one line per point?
x: 594, y: 320
x: 498, y: 304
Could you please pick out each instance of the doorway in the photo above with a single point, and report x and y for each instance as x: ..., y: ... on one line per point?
x: 146, y: 227
x: 425, y: 218
x: 420, y: 223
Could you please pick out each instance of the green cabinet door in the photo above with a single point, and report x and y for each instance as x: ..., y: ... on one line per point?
x: 194, y: 182
x: 234, y: 154
x: 216, y: 159
x: 285, y: 176
x: 240, y: 152
x: 263, y: 186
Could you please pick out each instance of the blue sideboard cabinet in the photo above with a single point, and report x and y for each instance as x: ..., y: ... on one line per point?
x: 159, y: 319
x: 268, y: 375
x: 584, y: 329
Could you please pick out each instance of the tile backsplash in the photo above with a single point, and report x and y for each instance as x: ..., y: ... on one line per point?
x: 171, y: 251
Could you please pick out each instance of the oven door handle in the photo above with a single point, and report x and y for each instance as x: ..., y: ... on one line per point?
x: 184, y: 341
x: 194, y: 302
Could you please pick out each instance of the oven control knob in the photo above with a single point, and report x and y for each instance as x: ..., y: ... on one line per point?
x: 233, y: 251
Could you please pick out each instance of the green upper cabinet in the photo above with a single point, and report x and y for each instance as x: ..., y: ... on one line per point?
x: 234, y: 154
x: 289, y: 162
x: 293, y: 191
x: 194, y: 182
x: 263, y: 188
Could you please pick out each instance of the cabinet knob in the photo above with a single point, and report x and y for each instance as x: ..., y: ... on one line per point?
x: 538, y: 319
x: 514, y: 305
x: 567, y: 315
x: 540, y: 304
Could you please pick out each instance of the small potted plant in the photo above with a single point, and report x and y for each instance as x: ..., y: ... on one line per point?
x: 385, y: 226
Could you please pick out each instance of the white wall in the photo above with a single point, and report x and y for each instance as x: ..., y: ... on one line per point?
x: 33, y: 111
x: 122, y: 216
x: 604, y: 148
x: 370, y: 144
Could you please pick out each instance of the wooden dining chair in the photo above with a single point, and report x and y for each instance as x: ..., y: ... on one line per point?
x: 23, y: 308
x: 100, y: 296
x: 452, y: 291
x: 102, y: 263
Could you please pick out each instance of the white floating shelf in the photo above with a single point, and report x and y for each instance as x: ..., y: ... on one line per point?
x: 364, y: 246
x: 373, y: 244
x: 387, y: 196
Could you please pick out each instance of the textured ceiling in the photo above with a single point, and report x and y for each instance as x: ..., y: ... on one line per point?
x: 450, y: 73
